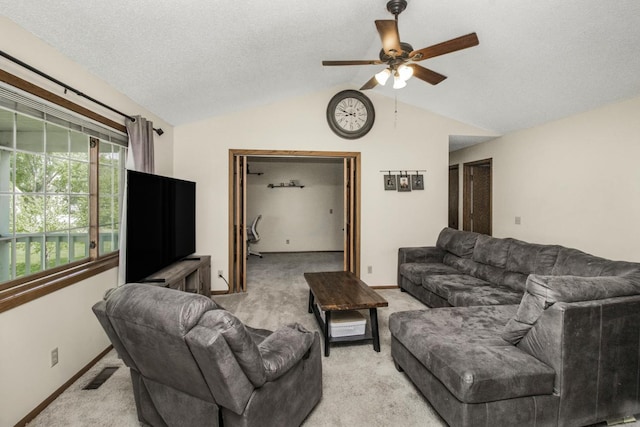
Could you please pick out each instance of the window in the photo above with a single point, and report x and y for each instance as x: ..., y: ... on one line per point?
x: 61, y: 186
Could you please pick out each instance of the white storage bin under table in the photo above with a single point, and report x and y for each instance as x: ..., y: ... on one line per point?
x: 345, y: 323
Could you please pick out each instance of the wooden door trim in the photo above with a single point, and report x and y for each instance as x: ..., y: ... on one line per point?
x: 455, y: 167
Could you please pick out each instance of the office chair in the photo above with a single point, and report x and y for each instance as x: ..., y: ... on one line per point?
x: 253, y: 237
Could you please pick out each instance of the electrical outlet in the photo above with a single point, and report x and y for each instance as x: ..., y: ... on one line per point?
x: 370, y: 269
x: 287, y: 241
x: 518, y: 220
x: 330, y: 211
x: 54, y: 357
x: 220, y: 273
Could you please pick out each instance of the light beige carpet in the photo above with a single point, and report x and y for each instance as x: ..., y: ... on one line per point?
x: 360, y: 386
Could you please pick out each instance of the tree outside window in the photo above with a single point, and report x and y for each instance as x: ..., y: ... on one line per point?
x: 45, y: 193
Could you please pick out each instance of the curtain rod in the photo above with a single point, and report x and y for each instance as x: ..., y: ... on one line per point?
x: 159, y: 131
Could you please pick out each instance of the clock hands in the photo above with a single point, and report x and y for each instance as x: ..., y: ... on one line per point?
x: 346, y: 112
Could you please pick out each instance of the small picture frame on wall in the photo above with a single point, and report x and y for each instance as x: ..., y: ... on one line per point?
x: 390, y: 182
x: 404, y: 183
x: 417, y: 182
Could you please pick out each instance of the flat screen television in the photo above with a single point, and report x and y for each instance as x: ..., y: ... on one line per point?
x: 161, y: 223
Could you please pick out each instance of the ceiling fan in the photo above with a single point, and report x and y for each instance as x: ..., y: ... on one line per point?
x: 400, y: 57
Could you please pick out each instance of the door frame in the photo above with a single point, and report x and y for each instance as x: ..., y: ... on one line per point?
x: 237, y: 234
x: 454, y: 196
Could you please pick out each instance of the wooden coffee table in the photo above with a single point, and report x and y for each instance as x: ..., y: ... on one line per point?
x: 342, y: 290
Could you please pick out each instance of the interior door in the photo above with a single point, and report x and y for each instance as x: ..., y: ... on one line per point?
x: 454, y: 196
x: 477, y: 205
x: 350, y: 216
x: 238, y: 224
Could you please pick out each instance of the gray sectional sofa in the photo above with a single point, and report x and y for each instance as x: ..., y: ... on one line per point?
x: 519, y: 333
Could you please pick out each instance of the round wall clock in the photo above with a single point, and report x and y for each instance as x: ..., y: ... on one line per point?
x: 350, y: 114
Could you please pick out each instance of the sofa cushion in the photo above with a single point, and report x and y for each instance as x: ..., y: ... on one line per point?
x: 544, y: 291
x: 485, y: 295
x: 489, y: 273
x: 462, y: 265
x: 444, y: 284
x: 528, y: 258
x: 491, y: 251
x: 516, y: 281
x: 414, y: 271
x: 460, y: 243
x: 461, y: 290
x: 572, y: 262
x: 461, y: 346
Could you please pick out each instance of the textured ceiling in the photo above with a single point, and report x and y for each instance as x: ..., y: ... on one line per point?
x: 538, y: 60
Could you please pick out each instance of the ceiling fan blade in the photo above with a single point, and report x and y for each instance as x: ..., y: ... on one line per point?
x: 370, y: 84
x: 452, y: 45
x: 354, y: 62
x: 390, y: 37
x: 426, y: 74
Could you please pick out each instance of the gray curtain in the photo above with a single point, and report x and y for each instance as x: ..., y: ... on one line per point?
x: 141, y: 144
x: 140, y: 158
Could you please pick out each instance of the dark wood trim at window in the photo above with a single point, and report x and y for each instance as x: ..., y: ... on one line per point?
x: 25, y: 289
x: 36, y: 288
x: 16, y: 81
x: 93, y: 197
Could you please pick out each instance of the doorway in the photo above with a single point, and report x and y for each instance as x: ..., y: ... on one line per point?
x: 238, y: 170
x: 477, y: 203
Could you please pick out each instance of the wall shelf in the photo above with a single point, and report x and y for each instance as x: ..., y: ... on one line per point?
x: 282, y: 185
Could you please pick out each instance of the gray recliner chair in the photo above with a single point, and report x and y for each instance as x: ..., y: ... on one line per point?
x: 193, y: 363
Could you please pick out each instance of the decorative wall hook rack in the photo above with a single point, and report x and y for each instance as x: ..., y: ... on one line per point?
x: 403, y: 171
x: 406, y: 180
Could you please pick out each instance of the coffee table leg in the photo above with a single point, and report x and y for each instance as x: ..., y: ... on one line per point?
x: 327, y: 337
x: 373, y: 313
x: 310, y: 301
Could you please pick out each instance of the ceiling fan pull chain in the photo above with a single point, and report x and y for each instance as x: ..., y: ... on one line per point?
x: 395, y: 118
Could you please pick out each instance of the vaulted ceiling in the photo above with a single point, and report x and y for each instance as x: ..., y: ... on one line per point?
x: 538, y: 60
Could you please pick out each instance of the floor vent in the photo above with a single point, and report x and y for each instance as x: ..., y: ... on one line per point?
x: 101, y: 378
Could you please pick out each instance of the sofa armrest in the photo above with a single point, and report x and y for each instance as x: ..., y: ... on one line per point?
x: 282, y: 349
x: 229, y: 385
x: 421, y: 254
x: 593, y: 346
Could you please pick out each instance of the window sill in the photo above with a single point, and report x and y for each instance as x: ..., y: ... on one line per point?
x: 28, y: 291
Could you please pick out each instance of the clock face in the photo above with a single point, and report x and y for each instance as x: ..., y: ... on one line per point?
x: 350, y: 114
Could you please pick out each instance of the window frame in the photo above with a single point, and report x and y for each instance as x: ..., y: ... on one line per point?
x: 22, y: 290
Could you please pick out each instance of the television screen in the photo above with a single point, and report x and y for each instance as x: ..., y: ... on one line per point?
x: 161, y: 223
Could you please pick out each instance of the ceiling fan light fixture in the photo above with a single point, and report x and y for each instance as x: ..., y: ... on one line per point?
x: 383, y: 76
x: 405, y: 72
x: 398, y: 83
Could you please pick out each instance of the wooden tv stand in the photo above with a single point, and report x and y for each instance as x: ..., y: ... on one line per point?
x: 191, y: 274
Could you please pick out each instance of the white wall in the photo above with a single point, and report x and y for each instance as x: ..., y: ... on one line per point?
x: 64, y: 318
x: 412, y: 139
x: 574, y: 182
x: 310, y: 218
x: 29, y: 332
